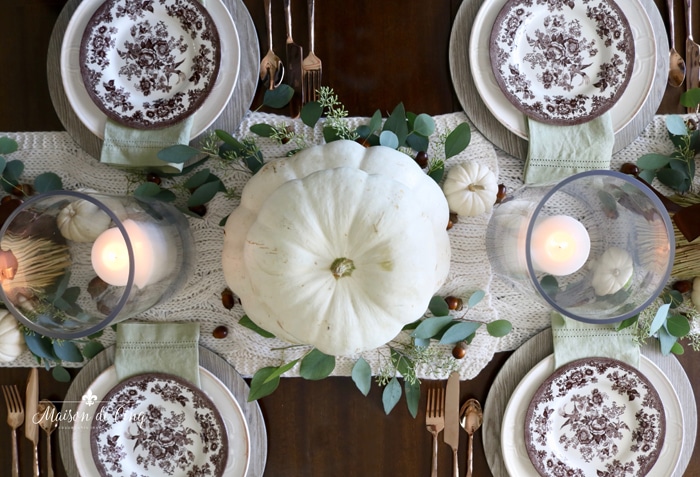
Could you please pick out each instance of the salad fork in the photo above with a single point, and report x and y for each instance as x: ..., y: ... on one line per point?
x: 271, y: 67
x: 15, y: 418
x: 311, y: 66
x: 435, y: 419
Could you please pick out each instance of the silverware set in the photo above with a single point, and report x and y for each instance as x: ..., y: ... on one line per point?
x: 33, y: 414
x: 680, y: 69
x: 443, y: 414
x: 303, y: 74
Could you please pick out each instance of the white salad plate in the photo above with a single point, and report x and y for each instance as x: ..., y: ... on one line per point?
x: 562, y: 62
x: 235, y: 427
x: 624, y: 109
x: 207, y: 110
x: 513, y: 434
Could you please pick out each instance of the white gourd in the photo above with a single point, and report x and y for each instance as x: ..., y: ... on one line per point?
x: 11, y: 337
x: 695, y: 294
x: 612, y: 271
x: 83, y: 221
x: 338, y: 247
x: 470, y: 188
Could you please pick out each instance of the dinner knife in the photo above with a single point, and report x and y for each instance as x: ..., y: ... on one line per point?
x: 451, y: 432
x: 31, y: 420
x: 692, y: 53
x: 295, y: 55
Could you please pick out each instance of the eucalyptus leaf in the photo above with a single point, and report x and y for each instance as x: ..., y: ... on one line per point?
x: 438, y: 306
x: 330, y: 134
x: 375, y: 123
x: 424, y: 125
x: 147, y: 189
x: 652, y: 161
x: 412, y: 397
x: 690, y: 98
x: 678, y: 326
x: 233, y: 143
x: 254, y: 161
x: 389, y: 139
x: 362, y: 375
x: 647, y: 175
x: 197, y: 179
x: 47, y: 182
x: 92, y: 349
x: 396, y: 123
x: 67, y: 351
x: 458, y: 140
x: 677, y: 349
x: 417, y: 142
x: 674, y: 179
x: 401, y: 362
x: 626, y: 323
x: 499, y: 328
x: 391, y: 395
x: 459, y: 332
x: 676, y: 125
x: 259, y: 388
x: 437, y: 172
x: 11, y: 174
x: 248, y: 323
x: 262, y: 130
x: 673, y: 297
x: 60, y: 374
x: 421, y: 342
x: 431, y: 326
x: 363, y: 131
x: 550, y: 285
x: 659, y: 318
x: 40, y: 345
x: 204, y: 193
x: 279, y: 97
x: 666, y: 341
x: 3, y: 163
x: 178, y: 153
x: 311, y: 112
x: 281, y: 370
x: 475, y: 298
x: 316, y: 365
x: 7, y: 145
x: 679, y: 165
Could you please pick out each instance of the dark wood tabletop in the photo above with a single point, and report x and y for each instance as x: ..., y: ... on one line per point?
x: 375, y: 54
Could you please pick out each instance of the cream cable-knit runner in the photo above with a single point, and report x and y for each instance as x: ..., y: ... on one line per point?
x: 246, y: 351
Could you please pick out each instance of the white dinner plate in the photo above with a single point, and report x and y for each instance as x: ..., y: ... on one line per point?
x: 513, y: 425
x: 624, y: 110
x: 94, y: 119
x: 231, y: 413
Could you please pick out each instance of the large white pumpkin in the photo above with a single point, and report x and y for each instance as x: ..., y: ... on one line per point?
x: 338, y: 246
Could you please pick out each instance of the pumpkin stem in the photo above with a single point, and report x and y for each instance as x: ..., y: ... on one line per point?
x: 342, y: 267
x: 475, y: 187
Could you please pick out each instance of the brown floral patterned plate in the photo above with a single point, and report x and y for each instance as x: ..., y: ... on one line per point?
x: 149, y: 63
x: 158, y: 424
x: 595, y: 417
x: 562, y: 61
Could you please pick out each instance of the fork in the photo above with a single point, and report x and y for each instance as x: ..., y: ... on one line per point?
x: 271, y: 67
x: 311, y: 66
x: 15, y: 418
x: 435, y: 419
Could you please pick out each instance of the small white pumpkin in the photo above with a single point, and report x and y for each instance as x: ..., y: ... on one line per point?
x: 11, y: 337
x: 338, y: 246
x: 695, y: 294
x: 612, y: 271
x: 470, y: 188
x: 83, y: 221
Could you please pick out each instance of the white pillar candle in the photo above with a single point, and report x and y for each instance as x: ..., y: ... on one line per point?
x: 560, y: 245
x: 152, y: 254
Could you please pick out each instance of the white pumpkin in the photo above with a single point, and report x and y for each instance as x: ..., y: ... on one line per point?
x: 695, y: 294
x: 11, y: 337
x: 338, y: 247
x: 612, y: 271
x: 470, y: 188
x: 83, y: 221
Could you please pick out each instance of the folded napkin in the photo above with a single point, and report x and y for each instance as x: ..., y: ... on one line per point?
x: 575, y: 340
x: 171, y: 348
x: 556, y: 152
x: 127, y: 147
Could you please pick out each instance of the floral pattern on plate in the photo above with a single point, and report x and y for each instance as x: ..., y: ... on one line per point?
x: 149, y: 63
x: 595, y: 417
x: 562, y: 61
x: 157, y: 424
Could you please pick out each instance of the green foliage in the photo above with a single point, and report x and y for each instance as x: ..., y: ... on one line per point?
x: 362, y: 375
x: 248, y: 323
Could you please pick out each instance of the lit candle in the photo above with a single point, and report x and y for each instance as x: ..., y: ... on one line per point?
x: 152, y: 254
x: 560, y: 245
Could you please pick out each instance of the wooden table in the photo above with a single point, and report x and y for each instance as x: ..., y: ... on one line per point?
x: 375, y: 55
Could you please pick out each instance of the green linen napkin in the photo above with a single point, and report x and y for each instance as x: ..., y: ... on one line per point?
x: 171, y: 348
x: 556, y: 152
x: 127, y: 147
x: 574, y: 340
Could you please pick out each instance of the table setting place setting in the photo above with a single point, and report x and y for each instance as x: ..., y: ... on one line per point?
x: 187, y: 251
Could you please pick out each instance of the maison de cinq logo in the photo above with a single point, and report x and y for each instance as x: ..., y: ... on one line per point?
x: 87, y: 413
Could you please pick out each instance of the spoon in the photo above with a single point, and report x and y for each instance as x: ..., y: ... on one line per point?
x: 271, y: 67
x: 676, y: 71
x: 470, y: 418
x: 47, y: 422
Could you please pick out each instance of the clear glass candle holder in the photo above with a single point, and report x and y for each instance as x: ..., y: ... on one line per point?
x: 598, y: 246
x: 72, y: 263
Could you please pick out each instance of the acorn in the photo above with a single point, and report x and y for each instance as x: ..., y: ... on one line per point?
x: 422, y: 159
x: 453, y: 303
x: 220, y: 332
x: 460, y: 350
x: 683, y: 286
x: 227, y: 298
x: 501, y: 194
